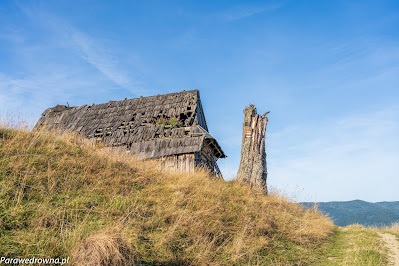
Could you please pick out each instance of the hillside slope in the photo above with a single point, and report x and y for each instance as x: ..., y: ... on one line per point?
x: 393, y: 205
x: 344, y: 213
x: 62, y: 198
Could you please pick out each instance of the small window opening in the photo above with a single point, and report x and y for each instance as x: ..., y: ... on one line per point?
x: 183, y: 117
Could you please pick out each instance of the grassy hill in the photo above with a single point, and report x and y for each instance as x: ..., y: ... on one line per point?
x: 360, y: 212
x: 61, y: 197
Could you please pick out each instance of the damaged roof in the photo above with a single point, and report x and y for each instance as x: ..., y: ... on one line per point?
x: 150, y: 127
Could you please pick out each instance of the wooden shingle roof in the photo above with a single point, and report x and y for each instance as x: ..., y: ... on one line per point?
x: 151, y: 127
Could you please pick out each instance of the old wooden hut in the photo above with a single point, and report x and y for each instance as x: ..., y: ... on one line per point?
x: 169, y: 127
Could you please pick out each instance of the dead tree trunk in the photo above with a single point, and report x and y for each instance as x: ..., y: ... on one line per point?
x: 253, y: 169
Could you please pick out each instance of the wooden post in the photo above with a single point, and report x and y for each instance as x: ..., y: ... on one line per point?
x: 253, y: 169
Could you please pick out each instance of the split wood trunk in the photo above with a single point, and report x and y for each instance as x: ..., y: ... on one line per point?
x: 253, y: 169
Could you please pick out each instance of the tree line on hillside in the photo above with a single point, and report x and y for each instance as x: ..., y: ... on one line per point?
x: 359, y: 212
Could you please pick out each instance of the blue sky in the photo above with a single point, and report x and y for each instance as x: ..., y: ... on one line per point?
x: 327, y: 71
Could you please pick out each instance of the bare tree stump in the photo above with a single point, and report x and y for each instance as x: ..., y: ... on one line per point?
x: 253, y: 169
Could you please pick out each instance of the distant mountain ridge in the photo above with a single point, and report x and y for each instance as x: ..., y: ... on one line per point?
x: 359, y: 212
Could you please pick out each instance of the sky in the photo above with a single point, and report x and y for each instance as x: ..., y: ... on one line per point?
x: 328, y: 72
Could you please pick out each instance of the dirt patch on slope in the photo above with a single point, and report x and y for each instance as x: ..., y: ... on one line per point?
x: 393, y: 246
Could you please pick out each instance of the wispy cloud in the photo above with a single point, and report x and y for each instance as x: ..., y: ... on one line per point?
x: 30, y: 95
x: 57, y: 63
x: 100, y: 58
x: 342, y: 159
x: 244, y: 11
x: 92, y: 50
x: 11, y: 35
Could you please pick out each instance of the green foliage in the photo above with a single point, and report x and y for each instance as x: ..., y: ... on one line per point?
x: 173, y: 121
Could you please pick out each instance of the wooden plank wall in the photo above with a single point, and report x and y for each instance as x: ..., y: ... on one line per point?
x: 208, y: 160
x: 179, y: 163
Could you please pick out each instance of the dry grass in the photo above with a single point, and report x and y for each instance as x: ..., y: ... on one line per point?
x: 394, y: 229
x: 61, y: 196
x: 103, y: 248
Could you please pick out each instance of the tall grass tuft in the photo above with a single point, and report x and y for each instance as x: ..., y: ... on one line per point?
x: 104, y: 248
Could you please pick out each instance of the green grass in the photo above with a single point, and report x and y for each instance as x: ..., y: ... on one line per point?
x: 353, y: 245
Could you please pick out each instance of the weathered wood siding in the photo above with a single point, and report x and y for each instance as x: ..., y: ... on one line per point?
x: 179, y: 163
x: 208, y: 160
